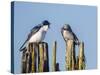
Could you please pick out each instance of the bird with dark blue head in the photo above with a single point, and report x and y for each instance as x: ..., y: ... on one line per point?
x: 46, y: 22
x: 37, y: 33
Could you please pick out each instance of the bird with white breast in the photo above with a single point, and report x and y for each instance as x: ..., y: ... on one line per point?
x: 68, y: 34
x: 37, y: 34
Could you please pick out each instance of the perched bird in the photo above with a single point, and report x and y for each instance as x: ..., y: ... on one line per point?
x: 37, y: 34
x: 68, y: 34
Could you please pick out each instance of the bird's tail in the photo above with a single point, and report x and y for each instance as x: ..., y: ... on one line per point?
x: 21, y: 48
x: 77, y: 42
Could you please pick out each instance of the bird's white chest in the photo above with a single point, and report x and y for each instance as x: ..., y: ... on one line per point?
x: 38, y: 37
x: 67, y: 35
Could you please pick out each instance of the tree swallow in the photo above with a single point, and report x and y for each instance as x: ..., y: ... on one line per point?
x: 37, y: 33
x: 68, y: 34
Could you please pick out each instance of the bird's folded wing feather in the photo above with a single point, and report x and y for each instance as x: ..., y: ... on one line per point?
x: 75, y: 37
x: 33, y: 31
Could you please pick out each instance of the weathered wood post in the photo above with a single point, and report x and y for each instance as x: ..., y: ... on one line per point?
x: 41, y: 58
x: 33, y: 54
x: 28, y: 57
x: 81, y: 57
x: 46, y: 58
x: 54, y: 56
x: 31, y: 58
x: 23, y: 61
x: 77, y: 63
x: 73, y: 56
x: 70, y: 55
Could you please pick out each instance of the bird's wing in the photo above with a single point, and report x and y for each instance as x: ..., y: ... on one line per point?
x: 36, y: 27
x: 75, y: 37
x: 32, y: 32
x: 69, y: 29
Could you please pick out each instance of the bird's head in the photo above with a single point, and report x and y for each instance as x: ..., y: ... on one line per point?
x: 46, y: 25
x: 66, y: 27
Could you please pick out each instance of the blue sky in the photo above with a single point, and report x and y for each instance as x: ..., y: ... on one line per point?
x: 82, y: 19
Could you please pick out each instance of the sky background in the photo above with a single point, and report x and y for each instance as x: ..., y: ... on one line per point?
x: 82, y: 19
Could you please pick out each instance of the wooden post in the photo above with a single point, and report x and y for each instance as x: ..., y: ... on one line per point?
x: 77, y: 63
x: 24, y: 61
x: 73, y: 58
x: 70, y: 55
x: 33, y: 58
x: 46, y: 58
x: 81, y: 57
x: 27, y: 62
x: 54, y: 56
x: 41, y: 56
x: 30, y: 60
